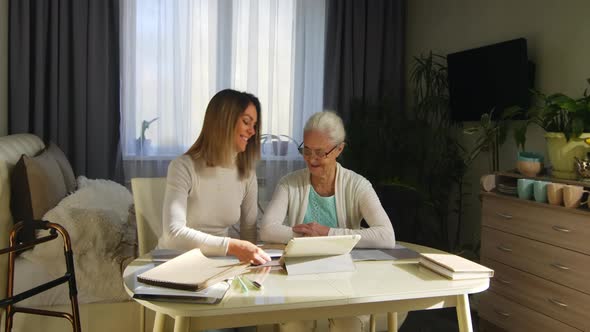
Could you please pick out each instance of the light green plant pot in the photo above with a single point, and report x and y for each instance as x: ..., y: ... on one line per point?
x: 561, y: 153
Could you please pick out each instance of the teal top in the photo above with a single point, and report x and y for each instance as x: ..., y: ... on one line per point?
x: 321, y: 209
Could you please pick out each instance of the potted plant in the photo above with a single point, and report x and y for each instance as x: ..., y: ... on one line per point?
x: 279, y: 144
x: 143, y: 144
x: 566, y: 121
x: 413, y: 159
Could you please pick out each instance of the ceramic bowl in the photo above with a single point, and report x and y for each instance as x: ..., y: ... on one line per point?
x: 529, y: 163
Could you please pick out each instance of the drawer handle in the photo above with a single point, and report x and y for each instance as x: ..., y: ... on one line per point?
x: 561, y: 229
x: 503, y: 281
x: 558, y: 303
x: 504, y: 215
x: 503, y: 248
x: 502, y: 313
x: 560, y: 267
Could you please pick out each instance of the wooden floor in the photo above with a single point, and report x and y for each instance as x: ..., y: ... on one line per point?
x: 441, y: 320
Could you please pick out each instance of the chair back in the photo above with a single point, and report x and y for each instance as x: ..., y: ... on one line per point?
x: 148, y: 197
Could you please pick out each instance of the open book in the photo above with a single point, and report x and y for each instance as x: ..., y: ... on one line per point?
x: 454, y: 267
x: 191, y: 271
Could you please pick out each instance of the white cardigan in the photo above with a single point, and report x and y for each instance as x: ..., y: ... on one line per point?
x: 355, y: 199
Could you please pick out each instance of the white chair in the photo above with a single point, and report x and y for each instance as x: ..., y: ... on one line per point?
x: 148, y: 198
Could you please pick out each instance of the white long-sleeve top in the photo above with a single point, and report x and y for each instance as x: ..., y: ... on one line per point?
x: 201, y: 203
x: 355, y: 199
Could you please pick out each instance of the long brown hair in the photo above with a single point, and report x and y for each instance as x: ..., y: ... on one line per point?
x: 216, y: 140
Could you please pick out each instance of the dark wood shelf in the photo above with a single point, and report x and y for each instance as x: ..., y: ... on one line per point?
x: 515, y: 175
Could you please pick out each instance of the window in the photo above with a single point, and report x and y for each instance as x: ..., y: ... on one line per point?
x: 176, y: 54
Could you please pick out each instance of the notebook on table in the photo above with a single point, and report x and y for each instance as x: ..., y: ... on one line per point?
x: 210, y: 295
x: 454, y: 267
x: 191, y: 271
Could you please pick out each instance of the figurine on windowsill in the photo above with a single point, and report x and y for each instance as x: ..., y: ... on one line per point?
x: 144, y: 147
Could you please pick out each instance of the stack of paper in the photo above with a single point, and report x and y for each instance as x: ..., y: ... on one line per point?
x: 191, y: 271
x: 454, y: 267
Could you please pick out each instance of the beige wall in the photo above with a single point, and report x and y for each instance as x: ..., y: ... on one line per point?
x: 3, y: 67
x: 557, y: 33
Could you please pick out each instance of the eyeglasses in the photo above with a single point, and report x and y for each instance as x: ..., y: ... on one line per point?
x: 309, y: 153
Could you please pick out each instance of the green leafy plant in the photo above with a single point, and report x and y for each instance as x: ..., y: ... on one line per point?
x: 561, y: 113
x: 491, y: 134
x: 415, y: 155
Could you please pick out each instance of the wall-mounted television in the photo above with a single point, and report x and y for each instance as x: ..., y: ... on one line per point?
x: 490, y: 77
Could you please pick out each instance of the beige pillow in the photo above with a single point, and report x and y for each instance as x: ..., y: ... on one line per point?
x: 64, y: 166
x: 46, y: 183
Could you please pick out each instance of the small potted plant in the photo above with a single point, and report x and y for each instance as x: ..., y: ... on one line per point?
x: 279, y: 143
x: 143, y: 144
x: 566, y: 121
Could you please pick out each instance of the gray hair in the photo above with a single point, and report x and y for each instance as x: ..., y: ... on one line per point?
x: 328, y: 123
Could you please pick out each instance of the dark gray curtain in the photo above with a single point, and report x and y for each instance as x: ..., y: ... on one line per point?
x: 64, y: 79
x: 364, y: 52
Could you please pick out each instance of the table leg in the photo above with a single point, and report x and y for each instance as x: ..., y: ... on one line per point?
x: 181, y: 324
x: 464, y: 314
x: 142, y: 319
x: 159, y: 321
x: 392, y: 321
x: 372, y: 323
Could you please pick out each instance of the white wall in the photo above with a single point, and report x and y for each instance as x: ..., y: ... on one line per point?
x: 557, y: 33
x: 3, y: 67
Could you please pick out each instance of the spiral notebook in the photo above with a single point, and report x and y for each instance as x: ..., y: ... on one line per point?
x: 191, y: 271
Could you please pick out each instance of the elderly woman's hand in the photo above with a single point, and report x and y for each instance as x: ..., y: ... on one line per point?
x: 247, y: 252
x: 311, y: 229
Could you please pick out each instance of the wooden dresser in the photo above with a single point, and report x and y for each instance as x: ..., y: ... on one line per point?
x: 541, y: 257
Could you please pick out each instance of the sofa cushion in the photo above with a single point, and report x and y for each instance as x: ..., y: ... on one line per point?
x: 37, y: 185
x: 64, y: 166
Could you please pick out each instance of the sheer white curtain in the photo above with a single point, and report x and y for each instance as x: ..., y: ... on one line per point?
x: 176, y: 54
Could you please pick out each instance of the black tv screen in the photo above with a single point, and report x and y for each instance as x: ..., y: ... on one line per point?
x: 491, y: 77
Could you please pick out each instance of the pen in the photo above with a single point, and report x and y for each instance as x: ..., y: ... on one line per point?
x: 254, y: 283
x: 242, y: 285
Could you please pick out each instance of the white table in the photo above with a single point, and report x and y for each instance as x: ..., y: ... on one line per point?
x: 376, y: 287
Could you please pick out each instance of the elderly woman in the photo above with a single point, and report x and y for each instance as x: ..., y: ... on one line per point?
x: 325, y: 198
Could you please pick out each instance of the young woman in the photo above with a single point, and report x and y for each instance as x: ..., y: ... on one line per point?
x: 213, y: 185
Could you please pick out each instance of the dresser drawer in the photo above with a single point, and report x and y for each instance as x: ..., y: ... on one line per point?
x: 556, y: 301
x: 567, y: 228
x: 560, y: 265
x: 512, y: 316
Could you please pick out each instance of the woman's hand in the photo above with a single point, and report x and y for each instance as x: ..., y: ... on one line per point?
x: 247, y: 252
x: 311, y: 229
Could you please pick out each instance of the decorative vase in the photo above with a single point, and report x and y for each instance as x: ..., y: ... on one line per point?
x: 280, y: 148
x: 529, y: 163
x: 562, y: 153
